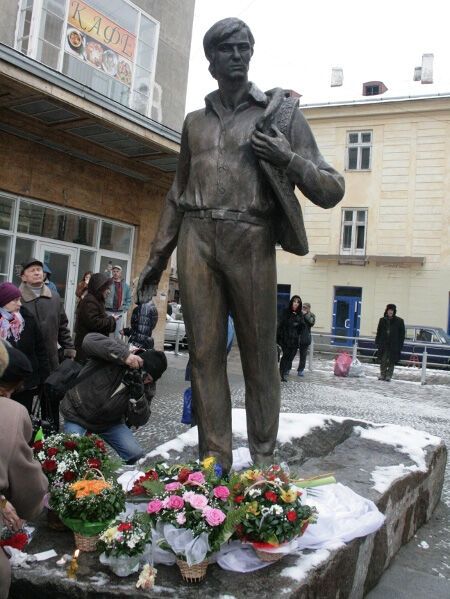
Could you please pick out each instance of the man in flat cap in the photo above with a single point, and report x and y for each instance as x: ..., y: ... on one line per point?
x: 48, y: 310
x: 232, y: 200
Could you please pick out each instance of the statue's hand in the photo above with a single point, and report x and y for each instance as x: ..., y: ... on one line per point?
x: 147, y: 284
x: 275, y: 149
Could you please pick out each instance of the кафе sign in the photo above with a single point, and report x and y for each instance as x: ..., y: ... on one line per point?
x: 102, y: 43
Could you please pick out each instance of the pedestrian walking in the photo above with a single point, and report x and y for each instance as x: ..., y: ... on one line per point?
x: 119, y: 300
x: 305, y: 336
x: 389, y: 340
x: 91, y: 314
x: 20, y: 329
x: 288, y: 334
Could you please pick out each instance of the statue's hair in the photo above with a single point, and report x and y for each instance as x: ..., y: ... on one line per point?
x: 220, y: 31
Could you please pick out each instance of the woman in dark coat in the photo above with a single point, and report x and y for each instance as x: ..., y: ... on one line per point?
x: 91, y: 315
x: 389, y: 340
x: 288, y: 333
x: 20, y: 329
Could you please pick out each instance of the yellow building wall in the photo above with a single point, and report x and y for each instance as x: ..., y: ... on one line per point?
x: 407, y: 194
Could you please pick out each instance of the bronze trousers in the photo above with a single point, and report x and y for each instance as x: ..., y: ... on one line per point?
x: 230, y: 266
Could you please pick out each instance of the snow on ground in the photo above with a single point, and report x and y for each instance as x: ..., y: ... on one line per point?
x: 404, y: 438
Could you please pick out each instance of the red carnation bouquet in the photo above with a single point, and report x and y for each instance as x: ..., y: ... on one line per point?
x: 274, y: 511
x: 17, y: 540
x: 67, y: 457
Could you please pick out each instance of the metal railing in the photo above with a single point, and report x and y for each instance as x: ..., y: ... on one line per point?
x: 420, y: 359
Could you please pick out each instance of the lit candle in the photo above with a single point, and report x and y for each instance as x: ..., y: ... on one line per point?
x: 73, y: 568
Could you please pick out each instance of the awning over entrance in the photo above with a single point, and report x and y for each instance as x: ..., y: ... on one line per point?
x: 48, y: 108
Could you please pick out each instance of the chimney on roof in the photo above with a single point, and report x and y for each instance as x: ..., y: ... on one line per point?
x: 337, y: 76
x: 426, y: 75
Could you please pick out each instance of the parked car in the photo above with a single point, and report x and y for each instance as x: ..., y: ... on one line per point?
x: 417, y: 337
x: 173, y: 326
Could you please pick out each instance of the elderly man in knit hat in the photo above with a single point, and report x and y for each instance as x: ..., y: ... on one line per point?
x: 389, y: 340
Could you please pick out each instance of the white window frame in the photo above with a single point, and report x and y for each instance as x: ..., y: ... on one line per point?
x: 359, y: 145
x: 33, y: 41
x: 353, y: 250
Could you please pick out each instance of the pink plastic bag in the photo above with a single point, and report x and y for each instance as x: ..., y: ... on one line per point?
x: 342, y: 364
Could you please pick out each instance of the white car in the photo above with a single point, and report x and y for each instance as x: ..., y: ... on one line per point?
x: 173, y: 328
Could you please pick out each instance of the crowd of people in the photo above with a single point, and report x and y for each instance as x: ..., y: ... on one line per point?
x: 112, y: 392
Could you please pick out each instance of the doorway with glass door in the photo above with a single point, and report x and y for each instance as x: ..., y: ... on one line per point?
x: 62, y: 261
x: 346, y: 315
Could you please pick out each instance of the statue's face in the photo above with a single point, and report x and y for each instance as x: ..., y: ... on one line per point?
x: 232, y: 57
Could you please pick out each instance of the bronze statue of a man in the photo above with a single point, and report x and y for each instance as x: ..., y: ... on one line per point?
x: 231, y: 202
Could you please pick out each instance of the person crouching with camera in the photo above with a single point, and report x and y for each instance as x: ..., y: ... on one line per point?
x: 114, y: 393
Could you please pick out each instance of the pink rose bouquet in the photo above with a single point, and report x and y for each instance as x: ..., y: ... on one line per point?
x: 200, y: 502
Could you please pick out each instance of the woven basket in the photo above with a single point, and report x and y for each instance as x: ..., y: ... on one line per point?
x: 194, y: 573
x: 84, y: 543
x: 266, y: 556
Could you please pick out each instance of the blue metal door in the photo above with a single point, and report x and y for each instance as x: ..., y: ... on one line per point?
x: 346, y: 319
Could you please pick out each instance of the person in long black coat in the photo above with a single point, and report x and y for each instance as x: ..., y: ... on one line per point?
x: 389, y: 340
x: 19, y: 327
x: 288, y: 334
x: 91, y: 316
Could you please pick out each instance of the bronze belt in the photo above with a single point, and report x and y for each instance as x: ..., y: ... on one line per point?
x: 226, y: 215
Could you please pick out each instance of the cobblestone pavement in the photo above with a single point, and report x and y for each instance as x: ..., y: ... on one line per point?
x: 425, y: 562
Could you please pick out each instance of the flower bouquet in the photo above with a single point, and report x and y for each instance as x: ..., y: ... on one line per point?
x: 17, y: 540
x: 192, y: 515
x: 66, y: 457
x: 124, y: 543
x: 87, y: 507
x: 274, y: 512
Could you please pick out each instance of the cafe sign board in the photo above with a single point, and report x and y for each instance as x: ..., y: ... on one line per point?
x: 100, y: 42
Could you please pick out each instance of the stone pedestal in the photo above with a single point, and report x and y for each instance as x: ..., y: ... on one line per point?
x: 401, y: 470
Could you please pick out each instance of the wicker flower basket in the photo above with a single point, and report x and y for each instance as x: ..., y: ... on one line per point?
x: 268, y: 556
x: 84, y: 543
x: 194, y: 573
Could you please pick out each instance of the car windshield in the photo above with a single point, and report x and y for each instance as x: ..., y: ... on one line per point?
x: 446, y: 337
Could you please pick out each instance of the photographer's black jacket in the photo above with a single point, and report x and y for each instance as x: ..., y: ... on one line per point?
x: 101, y: 400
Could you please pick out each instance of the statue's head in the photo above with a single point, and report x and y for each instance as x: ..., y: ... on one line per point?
x: 219, y: 33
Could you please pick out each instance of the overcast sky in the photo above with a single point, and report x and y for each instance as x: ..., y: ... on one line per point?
x: 298, y: 42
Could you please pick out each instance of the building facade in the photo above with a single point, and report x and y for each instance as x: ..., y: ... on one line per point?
x: 388, y: 240
x: 92, y: 96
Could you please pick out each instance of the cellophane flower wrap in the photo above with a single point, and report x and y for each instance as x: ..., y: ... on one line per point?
x: 191, y: 510
x: 274, y: 511
x: 67, y: 457
x: 88, y: 505
x: 126, y: 537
